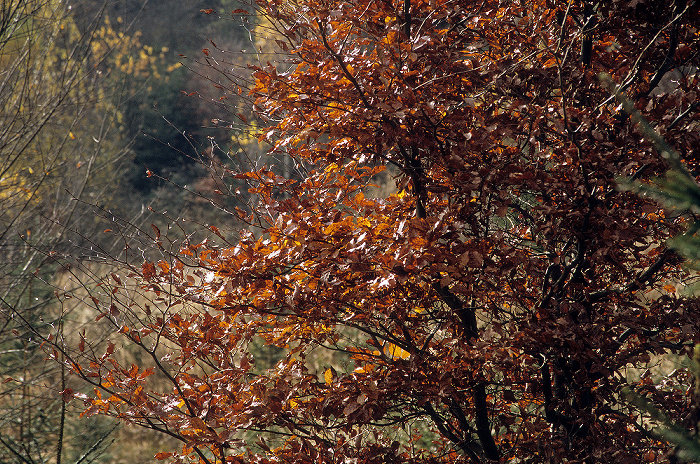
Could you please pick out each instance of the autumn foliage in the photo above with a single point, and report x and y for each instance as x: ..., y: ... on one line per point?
x: 491, y: 308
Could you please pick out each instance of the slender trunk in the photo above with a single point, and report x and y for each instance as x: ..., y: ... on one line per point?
x: 62, y: 421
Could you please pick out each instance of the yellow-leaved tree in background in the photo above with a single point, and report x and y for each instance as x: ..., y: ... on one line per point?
x: 62, y: 147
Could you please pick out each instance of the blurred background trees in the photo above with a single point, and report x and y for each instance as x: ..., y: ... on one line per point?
x: 61, y: 146
x: 90, y: 95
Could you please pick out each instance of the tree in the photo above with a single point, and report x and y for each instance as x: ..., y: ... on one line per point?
x: 491, y: 308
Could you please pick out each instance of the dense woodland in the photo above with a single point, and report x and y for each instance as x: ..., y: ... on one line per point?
x: 92, y: 96
x: 425, y: 231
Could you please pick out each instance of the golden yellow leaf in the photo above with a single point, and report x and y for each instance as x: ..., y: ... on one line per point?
x: 396, y: 352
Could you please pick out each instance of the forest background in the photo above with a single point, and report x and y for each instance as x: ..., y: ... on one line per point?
x: 93, y: 94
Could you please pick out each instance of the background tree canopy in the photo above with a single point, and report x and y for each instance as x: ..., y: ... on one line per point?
x: 74, y: 81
